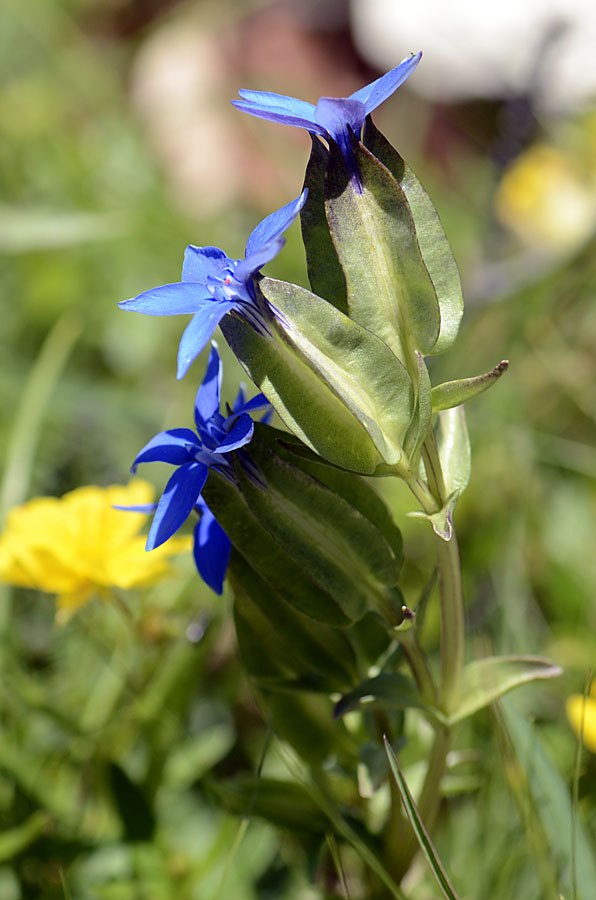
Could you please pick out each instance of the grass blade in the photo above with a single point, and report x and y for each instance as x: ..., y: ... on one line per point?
x: 417, y: 824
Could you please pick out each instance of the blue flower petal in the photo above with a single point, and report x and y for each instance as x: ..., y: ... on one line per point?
x: 211, y: 550
x: 378, y: 91
x: 253, y: 262
x: 268, y: 100
x: 140, y: 508
x: 175, y: 446
x: 274, y: 225
x: 336, y: 113
x: 198, y: 331
x: 176, y: 503
x: 281, y: 113
x: 240, y: 400
x: 241, y: 433
x: 257, y: 402
x: 180, y: 298
x: 202, y: 262
x: 207, y: 399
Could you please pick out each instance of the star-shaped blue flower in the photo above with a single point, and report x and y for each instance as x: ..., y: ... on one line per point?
x: 194, y: 453
x: 333, y: 117
x: 213, y: 285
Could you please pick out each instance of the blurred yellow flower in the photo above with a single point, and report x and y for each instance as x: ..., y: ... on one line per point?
x: 77, y: 545
x: 580, y: 708
x: 548, y: 199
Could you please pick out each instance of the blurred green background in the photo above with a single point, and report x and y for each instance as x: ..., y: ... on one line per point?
x: 119, y: 147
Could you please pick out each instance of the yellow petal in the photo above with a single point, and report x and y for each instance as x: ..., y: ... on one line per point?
x: 578, y: 709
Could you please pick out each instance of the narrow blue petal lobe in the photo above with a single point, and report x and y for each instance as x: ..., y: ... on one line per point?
x: 207, y: 400
x: 240, y: 400
x: 241, y: 433
x: 202, y: 262
x: 175, y: 446
x: 378, y: 91
x: 198, y: 331
x: 258, y: 402
x: 274, y: 225
x: 279, y: 115
x: 254, y: 261
x: 268, y: 100
x: 175, y: 505
x: 175, y: 299
x: 211, y: 550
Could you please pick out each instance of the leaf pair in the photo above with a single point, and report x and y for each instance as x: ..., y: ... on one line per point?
x: 332, y: 557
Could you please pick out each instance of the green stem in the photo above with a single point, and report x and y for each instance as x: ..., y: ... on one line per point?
x: 432, y: 498
x: 418, y: 664
x: 452, y: 621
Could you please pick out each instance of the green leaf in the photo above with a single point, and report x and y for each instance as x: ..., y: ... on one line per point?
x: 421, y: 420
x: 306, y: 722
x: 388, y: 690
x: 422, y: 835
x: 14, y: 840
x: 358, y: 492
x: 454, y: 451
x: 324, y: 271
x: 266, y: 556
x: 434, y: 246
x: 488, y: 679
x: 283, y: 803
x: 326, y: 536
x: 355, y: 364
x: 389, y: 288
x: 454, y: 393
x: 335, y: 385
x: 277, y: 642
x: 136, y: 815
x: 549, y: 795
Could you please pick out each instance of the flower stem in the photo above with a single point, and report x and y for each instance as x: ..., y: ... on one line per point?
x: 452, y: 620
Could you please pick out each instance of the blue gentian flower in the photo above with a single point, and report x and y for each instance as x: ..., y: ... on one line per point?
x: 193, y: 454
x: 213, y: 285
x: 333, y: 118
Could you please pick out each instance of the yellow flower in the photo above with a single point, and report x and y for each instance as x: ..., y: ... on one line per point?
x: 77, y: 545
x: 580, y: 708
x: 547, y: 199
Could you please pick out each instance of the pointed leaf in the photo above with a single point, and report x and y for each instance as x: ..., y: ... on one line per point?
x: 488, y: 679
x: 266, y: 555
x: 455, y: 393
x: 422, y: 835
x: 389, y: 289
x: 284, y: 803
x: 434, y: 246
x: 389, y: 690
x: 421, y: 420
x: 276, y: 641
x: 324, y: 271
x: 454, y: 450
x: 335, y: 385
x: 356, y: 491
x: 326, y: 536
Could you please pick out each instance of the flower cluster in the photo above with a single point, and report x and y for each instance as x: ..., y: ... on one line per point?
x: 194, y: 453
x: 213, y: 286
